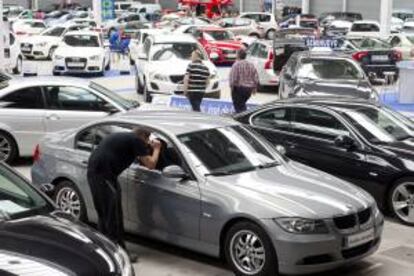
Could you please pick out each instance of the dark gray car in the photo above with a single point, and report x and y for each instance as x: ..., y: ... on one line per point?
x: 220, y: 190
x: 324, y: 73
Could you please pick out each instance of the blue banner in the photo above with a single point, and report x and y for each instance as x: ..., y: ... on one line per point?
x: 209, y: 106
x: 108, y: 9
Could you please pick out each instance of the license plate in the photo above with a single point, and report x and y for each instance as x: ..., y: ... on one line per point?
x: 76, y: 64
x: 380, y: 58
x: 359, y: 239
x: 26, y: 49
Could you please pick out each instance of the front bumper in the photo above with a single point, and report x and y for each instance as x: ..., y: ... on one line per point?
x: 170, y: 88
x: 35, y: 51
x: 304, y: 254
x: 83, y: 66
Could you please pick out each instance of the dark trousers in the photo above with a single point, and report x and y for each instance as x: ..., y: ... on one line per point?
x: 106, y: 194
x: 240, y: 95
x: 195, y: 99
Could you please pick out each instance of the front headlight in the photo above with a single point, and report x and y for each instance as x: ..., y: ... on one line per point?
x: 122, y: 260
x: 161, y: 77
x: 95, y: 58
x: 57, y: 57
x: 302, y: 225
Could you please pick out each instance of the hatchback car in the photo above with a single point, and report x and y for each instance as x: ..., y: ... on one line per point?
x: 36, y: 238
x: 242, y: 26
x: 364, y: 143
x: 220, y: 190
x: 30, y: 108
x: 324, y: 73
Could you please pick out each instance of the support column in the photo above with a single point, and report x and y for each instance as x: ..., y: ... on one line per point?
x: 344, y: 5
x: 305, y: 6
x: 241, y: 6
x: 97, y: 11
x: 385, y: 17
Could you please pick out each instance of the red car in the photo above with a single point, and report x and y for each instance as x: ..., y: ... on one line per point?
x: 220, y: 41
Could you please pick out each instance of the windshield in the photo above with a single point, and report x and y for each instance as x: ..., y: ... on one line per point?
x: 328, y: 69
x: 58, y: 31
x: 380, y: 125
x: 126, y: 104
x: 229, y: 150
x: 370, y: 43
x: 81, y: 40
x: 410, y: 38
x: 218, y: 35
x: 364, y: 27
x: 17, y: 198
x: 170, y: 51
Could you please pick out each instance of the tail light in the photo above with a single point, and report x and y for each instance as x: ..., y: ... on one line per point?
x: 397, y: 55
x: 269, y: 61
x: 358, y: 56
x: 36, y: 153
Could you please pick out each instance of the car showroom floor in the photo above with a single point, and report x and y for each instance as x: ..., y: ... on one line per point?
x: 395, y: 256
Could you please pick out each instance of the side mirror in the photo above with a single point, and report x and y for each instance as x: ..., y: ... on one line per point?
x: 174, y: 173
x: 344, y: 141
x: 281, y: 149
x: 214, y: 56
x: 47, y: 188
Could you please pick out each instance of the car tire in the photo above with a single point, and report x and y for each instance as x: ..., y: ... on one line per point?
x: 8, y: 148
x: 270, y: 34
x: 255, y: 35
x: 240, y: 238
x: 19, y: 66
x: 68, y: 198
x: 401, y: 200
x: 51, y: 52
x: 147, y: 94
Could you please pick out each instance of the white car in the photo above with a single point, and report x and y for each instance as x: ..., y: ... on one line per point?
x: 396, y: 24
x: 43, y: 45
x: 266, y: 20
x: 27, y: 27
x: 162, y: 63
x: 364, y: 28
x: 404, y: 43
x: 261, y: 55
x: 136, y: 43
x: 81, y: 52
x: 13, y: 56
x: 113, y: 25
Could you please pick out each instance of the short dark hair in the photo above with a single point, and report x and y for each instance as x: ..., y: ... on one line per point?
x: 141, y: 132
x: 241, y: 54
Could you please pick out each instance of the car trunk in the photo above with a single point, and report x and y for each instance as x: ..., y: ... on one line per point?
x: 283, y: 50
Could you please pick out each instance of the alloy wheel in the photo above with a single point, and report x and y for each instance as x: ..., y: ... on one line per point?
x: 247, y: 252
x: 5, y: 148
x: 69, y: 202
x: 402, y: 200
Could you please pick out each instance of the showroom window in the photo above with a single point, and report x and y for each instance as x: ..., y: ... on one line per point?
x: 28, y: 98
x: 317, y: 124
x: 278, y: 119
x: 73, y: 98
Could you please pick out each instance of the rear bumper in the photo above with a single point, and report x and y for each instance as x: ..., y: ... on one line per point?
x: 381, y: 70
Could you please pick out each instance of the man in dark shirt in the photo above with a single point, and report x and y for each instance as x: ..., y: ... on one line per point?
x: 196, y: 80
x: 114, y: 154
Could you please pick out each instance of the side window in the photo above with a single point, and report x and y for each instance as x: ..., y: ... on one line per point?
x: 278, y: 119
x: 27, y: 98
x: 395, y: 41
x: 262, y: 52
x: 74, y: 98
x: 252, y: 49
x: 317, y: 124
x: 90, y: 138
x: 265, y: 18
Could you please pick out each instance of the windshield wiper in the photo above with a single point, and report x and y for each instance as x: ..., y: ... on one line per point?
x: 268, y: 165
x: 405, y: 137
x: 225, y: 172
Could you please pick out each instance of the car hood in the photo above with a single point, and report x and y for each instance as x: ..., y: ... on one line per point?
x: 55, y: 240
x: 295, y: 190
x: 79, y: 51
x: 39, y: 39
x: 229, y: 44
x: 180, y: 67
x: 340, y: 88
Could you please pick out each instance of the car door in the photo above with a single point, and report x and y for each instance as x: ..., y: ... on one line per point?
x: 262, y: 59
x: 287, y: 76
x: 162, y: 207
x: 72, y: 106
x: 312, y: 143
x: 22, y: 112
x: 252, y: 52
x: 274, y: 124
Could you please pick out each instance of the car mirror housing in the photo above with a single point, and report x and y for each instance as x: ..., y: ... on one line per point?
x: 174, y: 172
x: 345, y: 141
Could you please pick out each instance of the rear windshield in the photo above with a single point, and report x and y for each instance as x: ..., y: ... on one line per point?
x: 370, y: 43
x: 365, y: 27
x: 327, y: 69
x: 81, y: 40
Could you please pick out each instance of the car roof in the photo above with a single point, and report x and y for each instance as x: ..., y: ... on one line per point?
x: 210, y: 28
x: 90, y: 33
x: 322, y: 54
x: 171, y: 38
x: 17, y: 83
x: 176, y: 121
x: 366, y: 22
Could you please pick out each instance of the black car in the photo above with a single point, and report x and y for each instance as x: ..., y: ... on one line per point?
x: 35, y: 237
x: 377, y: 58
x: 362, y: 142
x: 324, y: 73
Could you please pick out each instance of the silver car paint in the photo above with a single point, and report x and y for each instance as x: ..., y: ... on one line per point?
x: 193, y: 213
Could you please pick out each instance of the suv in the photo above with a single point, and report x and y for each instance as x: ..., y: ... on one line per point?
x: 266, y: 20
x: 162, y: 63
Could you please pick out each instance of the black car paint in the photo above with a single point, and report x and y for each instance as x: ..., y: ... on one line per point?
x: 54, y: 238
x: 374, y: 168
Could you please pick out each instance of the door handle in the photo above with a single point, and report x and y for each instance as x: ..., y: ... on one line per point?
x: 53, y: 117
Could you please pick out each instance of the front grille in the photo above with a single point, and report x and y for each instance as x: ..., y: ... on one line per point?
x: 227, y: 52
x: 80, y: 63
x: 352, y: 220
x: 318, y: 259
x: 177, y: 78
x: 359, y: 250
x: 26, y: 48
